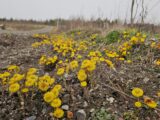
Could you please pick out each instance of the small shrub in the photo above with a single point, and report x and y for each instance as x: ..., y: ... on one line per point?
x: 112, y: 37
x: 102, y: 114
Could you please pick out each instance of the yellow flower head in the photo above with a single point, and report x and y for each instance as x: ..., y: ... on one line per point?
x: 57, y: 87
x: 109, y: 63
x: 14, y: 87
x: 134, y: 40
x: 85, y: 64
x: 42, y: 60
x: 79, y: 56
x: 73, y: 64
x: 82, y: 75
x: 129, y: 61
x: 16, y: 78
x: 102, y: 59
x: 4, y: 81
x: 93, y: 54
x: 137, y: 92
x: 30, y: 80
x: 24, y: 90
x: 31, y: 71
x: 91, y: 67
x: 13, y: 68
x: 157, y: 62
x: 153, y: 44
x: 4, y: 75
x: 124, y: 53
x: 95, y: 59
x: 56, y: 103
x: 48, y: 97
x: 58, y: 113
x: 51, y: 60
x: 55, y: 93
x: 142, y: 40
x: 36, y: 44
x: 121, y: 59
x: 149, y: 102
x: 72, y: 54
x: 111, y: 54
x: 138, y: 34
x: 44, y: 86
x: 138, y: 104
x: 60, y: 71
x: 47, y: 78
x: 84, y: 84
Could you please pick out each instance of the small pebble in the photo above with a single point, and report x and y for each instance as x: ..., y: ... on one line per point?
x: 31, y: 118
x: 92, y: 110
x: 111, y: 99
x: 65, y: 107
x: 81, y: 115
x: 85, y: 104
x: 146, y: 79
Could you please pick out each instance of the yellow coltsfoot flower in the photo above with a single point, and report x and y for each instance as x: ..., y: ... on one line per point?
x: 57, y: 87
x: 48, y: 97
x: 31, y: 71
x: 24, y: 90
x: 16, y: 78
x: 138, y: 104
x: 55, y: 92
x: 58, y: 113
x: 73, y: 64
x: 13, y: 68
x: 14, y: 87
x: 149, y: 102
x: 31, y: 80
x: 82, y: 75
x: 56, y: 103
x: 83, y: 84
x: 60, y: 71
x: 109, y: 63
x: 157, y: 62
x: 137, y: 92
x: 44, y: 86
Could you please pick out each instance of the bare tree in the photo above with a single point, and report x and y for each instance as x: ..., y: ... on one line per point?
x: 143, y: 12
x: 136, y: 10
x: 132, y: 9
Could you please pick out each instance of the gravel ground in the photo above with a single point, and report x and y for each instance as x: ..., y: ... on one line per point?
x: 16, y: 49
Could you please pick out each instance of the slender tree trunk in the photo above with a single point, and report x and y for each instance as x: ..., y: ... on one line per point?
x: 132, y: 9
x: 143, y: 12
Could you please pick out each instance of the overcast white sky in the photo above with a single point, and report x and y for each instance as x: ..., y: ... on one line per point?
x: 50, y: 9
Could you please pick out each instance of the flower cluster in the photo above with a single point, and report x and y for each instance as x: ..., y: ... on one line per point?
x: 138, y: 92
x: 77, y: 58
x: 47, y: 60
x: 125, y: 48
x: 29, y: 81
x: 69, y: 57
x: 17, y: 81
x: 51, y: 97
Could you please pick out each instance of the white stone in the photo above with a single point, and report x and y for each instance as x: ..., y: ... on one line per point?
x: 111, y: 100
x: 65, y: 107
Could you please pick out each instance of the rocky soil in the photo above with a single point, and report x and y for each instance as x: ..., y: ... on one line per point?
x: 84, y: 103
